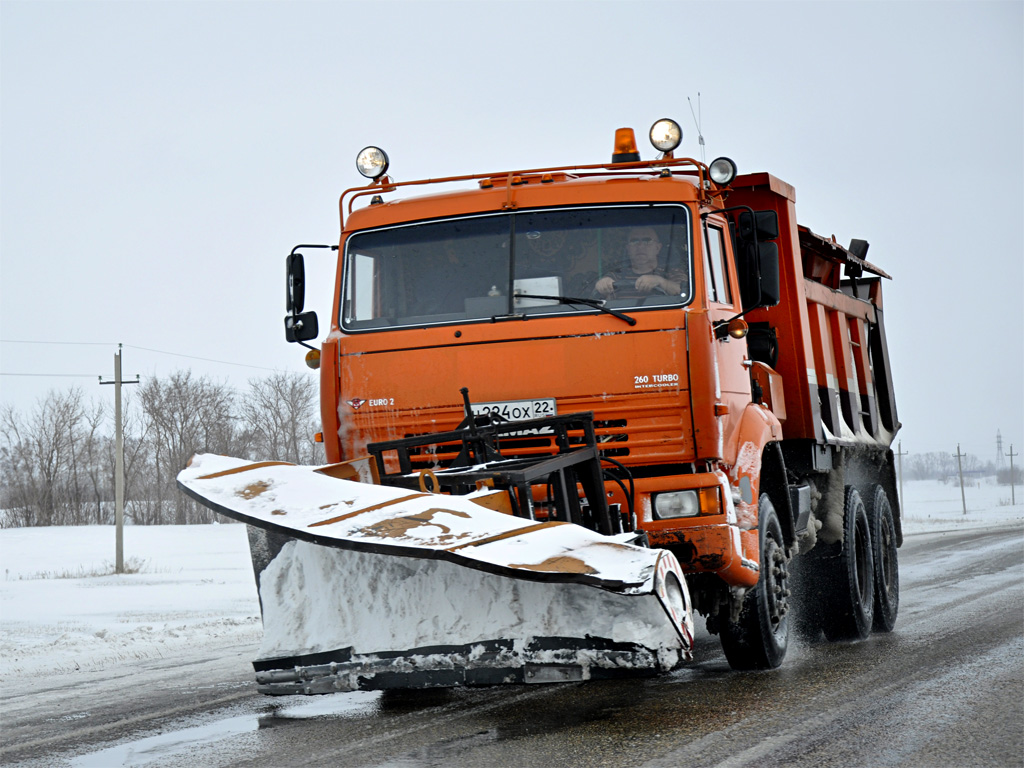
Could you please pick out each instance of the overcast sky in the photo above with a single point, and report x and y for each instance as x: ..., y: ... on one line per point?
x: 159, y: 159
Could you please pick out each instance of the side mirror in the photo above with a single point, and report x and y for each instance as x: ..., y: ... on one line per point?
x: 295, y: 295
x: 301, y: 327
x: 765, y: 225
x: 768, y: 260
x: 757, y: 259
x: 298, y: 325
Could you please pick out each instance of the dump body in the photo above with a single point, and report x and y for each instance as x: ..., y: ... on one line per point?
x: 833, y: 357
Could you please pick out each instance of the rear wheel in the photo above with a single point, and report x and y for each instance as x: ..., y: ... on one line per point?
x: 887, y: 574
x: 851, y: 605
x: 758, y: 640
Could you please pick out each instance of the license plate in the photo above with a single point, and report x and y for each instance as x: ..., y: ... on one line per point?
x: 518, y: 410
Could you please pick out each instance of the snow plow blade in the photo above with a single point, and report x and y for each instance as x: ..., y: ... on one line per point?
x: 367, y: 586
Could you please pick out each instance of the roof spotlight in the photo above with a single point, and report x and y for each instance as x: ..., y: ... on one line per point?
x: 372, y: 162
x: 722, y: 171
x: 666, y: 135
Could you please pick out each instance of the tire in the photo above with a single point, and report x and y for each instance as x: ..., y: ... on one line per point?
x: 887, y: 572
x: 759, y: 639
x: 850, y: 610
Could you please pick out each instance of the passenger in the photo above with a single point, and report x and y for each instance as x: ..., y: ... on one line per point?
x: 643, y: 276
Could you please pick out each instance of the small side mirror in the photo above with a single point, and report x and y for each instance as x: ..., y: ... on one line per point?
x: 765, y: 225
x: 301, y: 327
x: 295, y: 295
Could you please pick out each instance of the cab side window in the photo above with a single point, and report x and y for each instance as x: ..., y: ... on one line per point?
x: 718, y: 276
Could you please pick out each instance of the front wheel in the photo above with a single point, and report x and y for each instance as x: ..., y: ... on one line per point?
x: 758, y: 640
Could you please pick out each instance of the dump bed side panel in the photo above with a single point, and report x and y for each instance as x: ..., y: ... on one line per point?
x: 789, y: 318
x: 832, y: 356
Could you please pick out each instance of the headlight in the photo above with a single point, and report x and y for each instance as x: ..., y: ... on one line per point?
x: 666, y: 135
x: 676, y: 504
x: 372, y: 162
x: 722, y: 171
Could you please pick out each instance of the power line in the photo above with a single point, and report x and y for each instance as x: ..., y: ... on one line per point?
x: 129, y: 346
x: 63, y: 375
x: 69, y: 343
x: 205, y: 359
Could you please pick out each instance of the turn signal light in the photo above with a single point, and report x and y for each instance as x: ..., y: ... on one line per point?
x: 734, y: 328
x: 738, y: 328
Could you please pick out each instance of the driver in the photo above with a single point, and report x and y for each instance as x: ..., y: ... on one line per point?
x: 643, y: 276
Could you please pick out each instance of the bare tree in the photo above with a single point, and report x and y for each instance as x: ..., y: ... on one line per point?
x: 44, y: 457
x: 936, y: 465
x: 94, y: 488
x: 281, y: 415
x: 184, y: 415
x: 141, y: 500
x: 941, y: 465
x: 57, y: 462
x: 16, y: 466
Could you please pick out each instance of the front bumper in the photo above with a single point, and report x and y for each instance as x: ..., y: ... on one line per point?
x: 720, y: 540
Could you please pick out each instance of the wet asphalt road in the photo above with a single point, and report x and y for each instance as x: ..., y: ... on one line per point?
x: 945, y: 689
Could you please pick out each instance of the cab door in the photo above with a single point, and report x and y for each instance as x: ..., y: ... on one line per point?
x: 723, y: 301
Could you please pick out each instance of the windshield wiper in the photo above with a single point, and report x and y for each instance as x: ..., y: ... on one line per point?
x: 595, y: 303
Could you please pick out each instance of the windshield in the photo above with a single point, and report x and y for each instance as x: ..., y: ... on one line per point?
x: 480, y: 267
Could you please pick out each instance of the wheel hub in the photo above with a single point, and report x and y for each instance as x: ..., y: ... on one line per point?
x: 776, y: 582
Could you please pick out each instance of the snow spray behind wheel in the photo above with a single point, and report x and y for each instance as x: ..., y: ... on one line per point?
x: 367, y: 586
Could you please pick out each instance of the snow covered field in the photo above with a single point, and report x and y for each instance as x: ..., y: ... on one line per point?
x: 931, y: 506
x: 195, y: 585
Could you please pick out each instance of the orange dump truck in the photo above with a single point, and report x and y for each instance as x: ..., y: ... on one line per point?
x: 730, y: 367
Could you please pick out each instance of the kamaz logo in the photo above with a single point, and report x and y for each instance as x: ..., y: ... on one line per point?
x: 355, y: 403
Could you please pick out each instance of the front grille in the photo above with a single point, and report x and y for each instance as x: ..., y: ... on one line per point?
x: 634, y: 429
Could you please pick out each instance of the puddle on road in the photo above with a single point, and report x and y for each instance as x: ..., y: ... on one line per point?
x: 329, y: 705
x: 154, y: 748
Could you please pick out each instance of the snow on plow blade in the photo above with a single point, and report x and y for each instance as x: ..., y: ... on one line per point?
x: 367, y: 586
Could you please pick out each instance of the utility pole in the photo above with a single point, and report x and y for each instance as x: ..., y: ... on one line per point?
x: 1013, y: 497
x: 119, y: 458
x: 900, y: 454
x: 960, y: 468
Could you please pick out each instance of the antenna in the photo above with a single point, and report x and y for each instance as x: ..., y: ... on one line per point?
x: 696, y: 119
